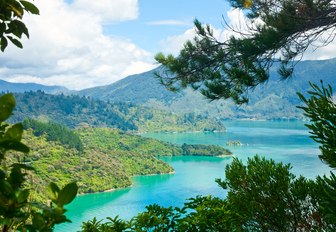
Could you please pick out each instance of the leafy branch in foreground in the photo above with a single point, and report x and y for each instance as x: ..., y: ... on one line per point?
x: 321, y: 110
x: 279, y: 31
x: 17, y: 211
x: 11, y: 26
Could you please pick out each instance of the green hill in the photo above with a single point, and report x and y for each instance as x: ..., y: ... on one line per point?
x: 275, y: 99
x: 108, y: 161
x: 76, y: 111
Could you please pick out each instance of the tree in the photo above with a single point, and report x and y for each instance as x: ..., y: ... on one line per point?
x: 11, y: 26
x: 281, y: 31
x: 17, y: 211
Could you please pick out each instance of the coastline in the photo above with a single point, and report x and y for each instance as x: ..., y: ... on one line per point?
x: 126, y: 187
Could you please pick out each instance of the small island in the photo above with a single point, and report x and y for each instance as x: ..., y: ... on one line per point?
x: 235, y: 143
x: 204, y: 150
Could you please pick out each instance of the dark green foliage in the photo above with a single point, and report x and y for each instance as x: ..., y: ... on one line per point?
x: 113, y: 225
x: 54, y: 132
x: 17, y: 211
x: 11, y: 26
x: 231, y: 68
x: 265, y: 196
x: 197, y: 214
x: 204, y: 150
x: 320, y: 108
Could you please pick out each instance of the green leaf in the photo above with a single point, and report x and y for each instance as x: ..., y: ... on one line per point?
x: 22, y: 196
x: 30, y: 7
x: 16, y: 146
x: 18, y: 11
x: 4, y: 43
x: 15, y: 42
x: 14, y: 133
x: 7, y: 104
x: 53, y: 191
x: 5, y: 187
x: 23, y: 166
x: 17, y: 28
x: 67, y: 194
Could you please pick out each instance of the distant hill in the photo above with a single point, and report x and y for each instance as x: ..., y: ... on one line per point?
x: 78, y: 111
x: 137, y: 88
x: 6, y: 86
x: 273, y: 100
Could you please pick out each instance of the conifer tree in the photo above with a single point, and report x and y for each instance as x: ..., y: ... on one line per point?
x: 282, y: 31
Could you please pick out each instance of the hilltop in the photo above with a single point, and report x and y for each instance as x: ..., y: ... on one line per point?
x: 276, y: 99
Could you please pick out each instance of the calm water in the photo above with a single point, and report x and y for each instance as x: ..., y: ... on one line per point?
x: 282, y: 141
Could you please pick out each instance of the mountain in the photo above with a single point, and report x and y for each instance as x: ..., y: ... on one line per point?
x: 139, y: 88
x: 275, y: 99
x: 78, y: 111
x: 26, y: 87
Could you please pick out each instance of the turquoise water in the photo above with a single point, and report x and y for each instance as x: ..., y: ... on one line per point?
x: 282, y: 141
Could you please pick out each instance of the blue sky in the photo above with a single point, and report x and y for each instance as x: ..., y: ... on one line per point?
x: 84, y: 43
x: 156, y: 20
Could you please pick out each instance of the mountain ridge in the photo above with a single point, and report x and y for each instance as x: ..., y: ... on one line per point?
x: 6, y: 86
x: 275, y: 99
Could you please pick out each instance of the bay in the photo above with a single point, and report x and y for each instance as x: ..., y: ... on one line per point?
x: 286, y: 142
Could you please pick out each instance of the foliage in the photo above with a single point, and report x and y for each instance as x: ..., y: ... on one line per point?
x: 54, y: 132
x: 197, y: 214
x: 17, y: 211
x: 321, y: 109
x: 278, y: 31
x: 265, y: 196
x: 11, y: 26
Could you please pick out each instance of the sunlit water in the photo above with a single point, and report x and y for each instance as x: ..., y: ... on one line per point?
x: 286, y: 142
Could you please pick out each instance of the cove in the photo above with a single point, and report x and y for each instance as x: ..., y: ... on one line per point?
x: 282, y: 141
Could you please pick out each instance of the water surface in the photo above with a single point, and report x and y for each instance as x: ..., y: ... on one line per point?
x: 286, y: 142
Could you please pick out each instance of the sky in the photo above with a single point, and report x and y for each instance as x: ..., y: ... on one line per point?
x: 83, y: 43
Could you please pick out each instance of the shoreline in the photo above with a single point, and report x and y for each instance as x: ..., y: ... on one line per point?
x: 126, y: 187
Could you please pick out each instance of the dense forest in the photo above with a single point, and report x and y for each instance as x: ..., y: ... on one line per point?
x: 76, y: 111
x: 98, y: 159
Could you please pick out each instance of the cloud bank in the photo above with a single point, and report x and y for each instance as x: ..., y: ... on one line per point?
x: 67, y: 46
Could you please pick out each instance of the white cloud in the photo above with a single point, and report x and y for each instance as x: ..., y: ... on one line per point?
x: 109, y: 10
x: 170, y: 22
x: 174, y: 44
x: 67, y: 47
x: 241, y: 24
x: 323, y: 48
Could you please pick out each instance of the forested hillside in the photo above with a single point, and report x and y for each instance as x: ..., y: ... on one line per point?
x: 109, y: 159
x: 75, y: 111
x: 275, y: 99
